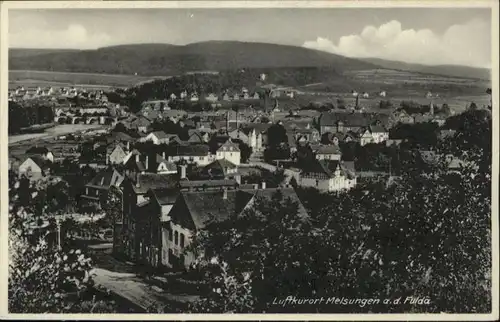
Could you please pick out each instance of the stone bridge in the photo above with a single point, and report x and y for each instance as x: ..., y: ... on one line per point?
x: 105, y: 120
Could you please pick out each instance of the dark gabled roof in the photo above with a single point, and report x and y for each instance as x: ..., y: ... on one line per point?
x: 105, y: 179
x: 209, y: 206
x: 221, y: 164
x: 328, y: 168
x: 37, y: 150
x: 228, y: 145
x: 119, y: 136
x: 218, y: 167
x: 191, y: 150
x: 207, y: 183
x: 147, y: 181
x: 260, y: 127
x: 327, y: 149
x: 377, y: 129
x: 288, y: 193
x: 352, y: 119
x: 165, y: 196
x: 159, y: 134
x: 40, y: 161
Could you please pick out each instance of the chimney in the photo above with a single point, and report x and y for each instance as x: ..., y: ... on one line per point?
x: 128, y: 145
x: 164, y: 155
x: 256, y: 186
x: 147, y: 162
x: 227, y: 122
x: 137, y: 158
x: 137, y: 184
x: 224, y: 194
x: 183, y: 171
x: 263, y: 185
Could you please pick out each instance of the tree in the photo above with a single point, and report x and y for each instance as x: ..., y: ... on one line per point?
x: 426, y: 235
x: 341, y: 103
x: 42, y: 277
x: 385, y: 104
x: 229, y: 293
x: 246, y: 151
x: 267, y: 244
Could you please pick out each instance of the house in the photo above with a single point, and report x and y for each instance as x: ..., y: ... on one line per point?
x: 141, y: 124
x: 403, y: 117
x: 307, y: 134
x: 173, y: 97
x: 117, y: 155
x: 129, y: 231
x: 194, y: 97
x: 172, y: 114
x: 220, y: 170
x: 345, y: 122
x: 192, y: 153
x: 96, y: 191
x: 382, y: 94
x: 256, y: 96
x: 327, y: 152
x: 211, y: 97
x: 192, y: 211
x: 366, y: 95
x: 328, y: 176
x: 198, y: 137
x: 40, y: 151
x: 183, y: 94
x: 373, y: 134
x: 229, y: 151
x: 159, y: 137
x: 226, y: 97
x: 35, y: 167
x: 249, y: 136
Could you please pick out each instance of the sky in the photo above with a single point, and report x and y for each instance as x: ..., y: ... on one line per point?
x: 429, y: 36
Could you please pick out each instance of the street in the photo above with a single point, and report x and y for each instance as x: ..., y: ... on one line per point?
x: 121, y: 278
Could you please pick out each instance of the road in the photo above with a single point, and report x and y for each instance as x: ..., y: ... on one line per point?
x: 53, y: 132
x: 122, y: 279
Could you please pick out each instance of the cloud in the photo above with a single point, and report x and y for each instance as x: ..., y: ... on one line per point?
x: 463, y: 44
x: 74, y: 36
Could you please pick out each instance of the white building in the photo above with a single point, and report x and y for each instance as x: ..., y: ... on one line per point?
x: 374, y: 134
x: 329, y: 176
x: 229, y: 151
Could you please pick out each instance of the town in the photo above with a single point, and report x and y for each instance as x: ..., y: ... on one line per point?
x: 155, y: 174
x: 146, y: 183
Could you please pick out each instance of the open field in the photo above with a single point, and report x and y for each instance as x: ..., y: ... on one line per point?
x: 45, y: 78
x: 52, y: 132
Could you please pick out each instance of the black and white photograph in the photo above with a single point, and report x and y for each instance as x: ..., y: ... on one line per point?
x: 164, y: 158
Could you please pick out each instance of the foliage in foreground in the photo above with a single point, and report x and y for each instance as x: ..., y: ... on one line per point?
x: 425, y: 239
x: 44, y: 278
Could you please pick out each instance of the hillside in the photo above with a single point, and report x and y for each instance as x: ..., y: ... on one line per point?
x: 30, y: 52
x: 444, y: 70
x: 164, y: 59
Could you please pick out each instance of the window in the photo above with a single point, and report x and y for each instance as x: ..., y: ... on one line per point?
x: 176, y: 238
x: 230, y: 154
x: 170, y: 234
x: 182, y: 240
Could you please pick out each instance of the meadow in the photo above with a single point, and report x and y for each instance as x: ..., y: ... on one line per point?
x: 88, y: 80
